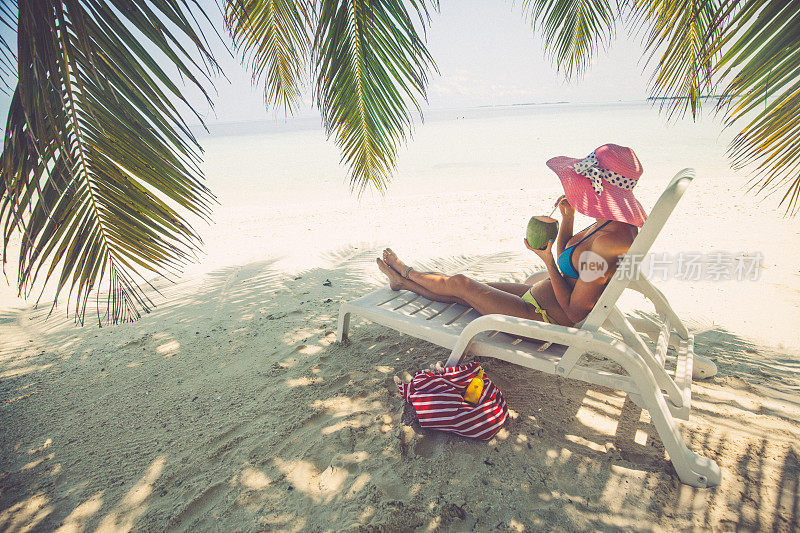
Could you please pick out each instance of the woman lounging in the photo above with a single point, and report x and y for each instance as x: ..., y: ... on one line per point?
x: 599, y: 186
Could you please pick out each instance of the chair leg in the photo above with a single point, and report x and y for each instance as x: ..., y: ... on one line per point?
x: 692, y: 469
x: 703, y: 368
x: 344, y: 324
x: 457, y: 354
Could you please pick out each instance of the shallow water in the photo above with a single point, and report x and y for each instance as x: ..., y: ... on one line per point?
x: 263, y: 172
x: 261, y: 163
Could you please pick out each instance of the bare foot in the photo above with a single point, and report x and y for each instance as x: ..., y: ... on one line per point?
x: 393, y: 261
x: 395, y: 279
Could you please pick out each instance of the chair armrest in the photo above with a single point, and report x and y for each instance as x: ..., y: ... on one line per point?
x: 576, y: 339
x: 534, y: 329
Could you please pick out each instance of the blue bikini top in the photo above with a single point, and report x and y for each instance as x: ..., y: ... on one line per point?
x: 565, y: 257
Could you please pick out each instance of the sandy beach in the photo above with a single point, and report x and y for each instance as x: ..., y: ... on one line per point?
x: 231, y: 407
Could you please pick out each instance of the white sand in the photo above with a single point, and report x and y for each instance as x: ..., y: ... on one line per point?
x: 230, y: 407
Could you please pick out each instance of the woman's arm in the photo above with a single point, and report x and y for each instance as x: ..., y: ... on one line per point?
x: 561, y: 288
x: 578, y: 301
x: 592, y: 279
x: 567, y: 220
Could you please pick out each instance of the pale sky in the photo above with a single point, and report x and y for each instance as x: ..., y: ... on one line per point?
x: 487, y: 54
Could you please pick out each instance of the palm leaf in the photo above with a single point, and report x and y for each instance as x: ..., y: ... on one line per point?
x: 8, y: 60
x: 574, y: 30
x: 761, y: 48
x: 371, y: 65
x: 685, y: 32
x: 99, y: 171
x: 276, y: 36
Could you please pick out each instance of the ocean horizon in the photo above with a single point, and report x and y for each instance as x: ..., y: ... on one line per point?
x: 309, y: 118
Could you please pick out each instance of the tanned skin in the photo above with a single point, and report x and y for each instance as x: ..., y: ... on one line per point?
x: 566, y: 300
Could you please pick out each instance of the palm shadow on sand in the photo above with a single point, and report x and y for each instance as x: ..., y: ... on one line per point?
x: 258, y: 419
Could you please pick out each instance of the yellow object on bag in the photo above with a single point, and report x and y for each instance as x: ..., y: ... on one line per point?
x: 475, y: 388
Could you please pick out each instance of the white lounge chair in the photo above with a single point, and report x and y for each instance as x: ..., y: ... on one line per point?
x: 605, y: 332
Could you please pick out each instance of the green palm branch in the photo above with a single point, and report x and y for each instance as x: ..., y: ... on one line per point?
x: 749, y: 49
x: 274, y: 35
x: 574, y: 30
x: 684, y: 31
x: 101, y: 172
x: 370, y: 66
x: 761, y: 45
x: 8, y: 61
x: 99, y: 169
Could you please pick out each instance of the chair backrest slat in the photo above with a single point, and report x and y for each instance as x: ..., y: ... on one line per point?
x: 641, y: 245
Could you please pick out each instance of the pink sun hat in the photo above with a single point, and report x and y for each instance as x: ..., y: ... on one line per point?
x: 601, y: 184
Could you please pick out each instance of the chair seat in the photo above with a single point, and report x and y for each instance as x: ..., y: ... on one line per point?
x: 442, y: 323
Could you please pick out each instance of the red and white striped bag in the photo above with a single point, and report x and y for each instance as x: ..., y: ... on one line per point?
x: 438, y: 399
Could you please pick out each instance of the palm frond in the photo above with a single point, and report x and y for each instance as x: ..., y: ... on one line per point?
x: 371, y: 65
x: 684, y: 31
x: 574, y: 30
x: 761, y: 55
x: 99, y: 170
x: 276, y: 36
x: 8, y: 59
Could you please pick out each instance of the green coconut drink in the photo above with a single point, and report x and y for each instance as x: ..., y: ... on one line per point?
x: 541, y: 230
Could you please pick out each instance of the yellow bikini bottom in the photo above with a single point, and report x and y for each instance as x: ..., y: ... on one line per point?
x: 528, y: 297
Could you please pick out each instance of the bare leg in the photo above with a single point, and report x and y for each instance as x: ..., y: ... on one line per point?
x: 398, y: 282
x: 393, y: 262
x: 517, y: 289
x: 533, y: 279
x: 484, y: 298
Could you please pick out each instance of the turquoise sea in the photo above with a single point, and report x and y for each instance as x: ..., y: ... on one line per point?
x: 274, y: 162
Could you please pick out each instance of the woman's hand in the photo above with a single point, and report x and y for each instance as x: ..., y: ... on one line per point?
x: 545, y: 254
x: 567, y: 211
